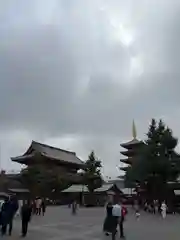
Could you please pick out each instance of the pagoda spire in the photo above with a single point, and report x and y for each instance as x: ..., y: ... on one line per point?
x: 134, y: 133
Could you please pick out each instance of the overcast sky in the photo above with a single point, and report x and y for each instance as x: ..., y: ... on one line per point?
x: 75, y: 73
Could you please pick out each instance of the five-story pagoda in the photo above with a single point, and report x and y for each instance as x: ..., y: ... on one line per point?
x: 132, y: 149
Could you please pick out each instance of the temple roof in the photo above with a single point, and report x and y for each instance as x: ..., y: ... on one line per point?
x: 18, y: 190
x: 131, y: 143
x: 49, y: 152
x: 104, y: 187
x: 76, y: 188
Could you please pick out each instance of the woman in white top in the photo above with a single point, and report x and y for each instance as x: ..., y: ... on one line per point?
x: 163, y: 210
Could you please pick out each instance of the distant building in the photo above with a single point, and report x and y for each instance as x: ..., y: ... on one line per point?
x: 38, y: 154
x: 10, y: 184
x: 108, y: 191
x: 66, y: 163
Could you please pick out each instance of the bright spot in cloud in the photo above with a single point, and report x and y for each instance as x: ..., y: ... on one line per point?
x: 122, y: 33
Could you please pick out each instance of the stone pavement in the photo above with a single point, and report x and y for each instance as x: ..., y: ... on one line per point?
x: 59, y: 224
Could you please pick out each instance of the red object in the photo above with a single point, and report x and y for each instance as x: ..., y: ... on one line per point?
x: 124, y: 211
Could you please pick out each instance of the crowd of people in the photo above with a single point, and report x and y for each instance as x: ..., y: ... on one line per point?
x: 157, y: 208
x: 116, y: 213
x: 39, y: 207
x: 11, y: 208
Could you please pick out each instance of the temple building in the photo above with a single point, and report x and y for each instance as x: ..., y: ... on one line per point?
x: 39, y: 154
x: 131, y: 149
x: 10, y: 184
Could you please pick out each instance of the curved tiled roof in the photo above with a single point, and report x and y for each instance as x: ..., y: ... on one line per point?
x: 51, y: 153
x: 76, y: 188
x: 104, y: 188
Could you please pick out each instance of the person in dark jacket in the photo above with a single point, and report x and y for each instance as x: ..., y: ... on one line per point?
x: 108, y: 222
x: 5, y: 215
x: 43, y: 206
x: 13, y: 207
x: 33, y: 204
x: 74, y: 207
x: 26, y: 211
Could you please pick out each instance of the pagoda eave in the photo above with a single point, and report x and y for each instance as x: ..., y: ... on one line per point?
x: 124, y: 168
x: 132, y: 144
x: 128, y: 153
x: 126, y: 161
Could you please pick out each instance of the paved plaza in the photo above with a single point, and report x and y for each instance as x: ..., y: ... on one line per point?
x: 59, y: 224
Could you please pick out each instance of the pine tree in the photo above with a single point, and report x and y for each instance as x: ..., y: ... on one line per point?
x: 158, y: 163
x: 93, y: 172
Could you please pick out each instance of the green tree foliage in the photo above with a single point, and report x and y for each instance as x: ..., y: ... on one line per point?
x: 157, y: 163
x: 42, y: 181
x: 92, y: 176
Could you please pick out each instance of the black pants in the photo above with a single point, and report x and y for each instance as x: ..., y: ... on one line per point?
x: 10, y: 226
x: 3, y: 229
x: 121, y: 228
x: 114, y: 227
x: 24, y: 227
x: 38, y: 211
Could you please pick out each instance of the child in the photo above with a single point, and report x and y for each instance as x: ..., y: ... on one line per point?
x: 25, y: 216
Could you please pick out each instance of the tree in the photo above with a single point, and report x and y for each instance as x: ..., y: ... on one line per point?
x: 158, y: 162
x: 42, y: 181
x: 92, y: 176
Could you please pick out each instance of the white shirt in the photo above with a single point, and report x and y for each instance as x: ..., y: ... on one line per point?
x: 163, y: 207
x: 116, y: 211
x: 38, y: 203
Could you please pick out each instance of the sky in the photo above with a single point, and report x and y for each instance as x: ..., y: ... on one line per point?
x: 75, y: 73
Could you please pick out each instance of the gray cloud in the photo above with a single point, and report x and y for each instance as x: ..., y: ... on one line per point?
x: 87, y: 68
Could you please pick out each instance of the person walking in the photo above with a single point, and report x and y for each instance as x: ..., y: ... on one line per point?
x: 117, y: 220
x: 74, y: 207
x: 163, y: 209
x: 18, y: 213
x: 5, y: 216
x: 26, y: 211
x: 13, y: 207
x: 108, y: 222
x: 38, y: 206
x: 121, y: 220
x: 43, y: 206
